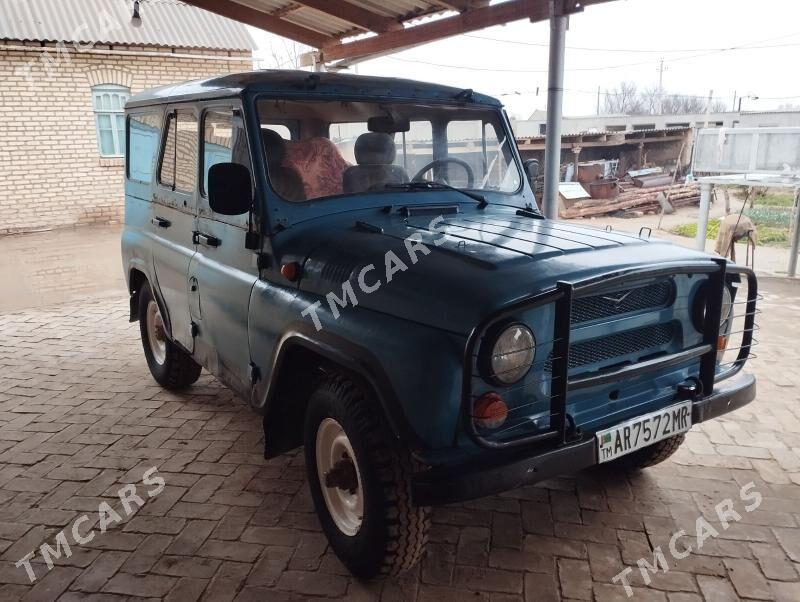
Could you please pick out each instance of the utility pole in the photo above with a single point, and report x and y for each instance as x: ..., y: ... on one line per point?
x: 708, y: 105
x: 559, y: 22
x: 661, y: 69
x: 598, y: 100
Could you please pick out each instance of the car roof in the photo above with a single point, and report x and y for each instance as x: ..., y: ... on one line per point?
x: 307, y: 84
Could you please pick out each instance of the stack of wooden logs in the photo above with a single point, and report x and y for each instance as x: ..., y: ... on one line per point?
x: 634, y: 201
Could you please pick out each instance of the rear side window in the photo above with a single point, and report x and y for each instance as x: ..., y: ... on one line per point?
x: 179, y: 159
x: 142, y: 145
x: 224, y: 141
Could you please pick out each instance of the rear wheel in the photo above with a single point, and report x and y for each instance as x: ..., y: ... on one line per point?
x: 172, y: 367
x: 648, y: 456
x: 360, y: 481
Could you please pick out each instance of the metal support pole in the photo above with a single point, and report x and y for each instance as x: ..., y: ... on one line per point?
x: 702, y: 220
x: 555, y: 98
x: 795, y: 236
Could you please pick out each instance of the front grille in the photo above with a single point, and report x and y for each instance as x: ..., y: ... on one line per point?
x: 648, y: 297
x: 616, y: 345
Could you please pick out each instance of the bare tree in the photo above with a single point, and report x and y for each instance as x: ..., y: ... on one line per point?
x: 629, y: 100
x: 624, y: 99
x: 650, y: 100
x: 674, y: 104
x: 283, y: 54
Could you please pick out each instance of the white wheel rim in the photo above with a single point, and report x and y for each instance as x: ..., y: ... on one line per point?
x: 155, y: 333
x: 333, y: 449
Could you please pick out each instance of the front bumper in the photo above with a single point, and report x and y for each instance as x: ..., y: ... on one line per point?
x: 444, y: 485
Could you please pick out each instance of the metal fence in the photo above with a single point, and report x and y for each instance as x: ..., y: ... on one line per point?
x: 747, y: 150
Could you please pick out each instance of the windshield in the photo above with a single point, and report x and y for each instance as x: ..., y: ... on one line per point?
x: 317, y: 149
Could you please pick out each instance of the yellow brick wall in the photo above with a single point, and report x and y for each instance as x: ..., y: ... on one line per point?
x: 51, y: 172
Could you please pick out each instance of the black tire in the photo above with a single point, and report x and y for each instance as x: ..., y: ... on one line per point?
x: 648, y: 456
x: 392, y: 535
x: 178, y: 370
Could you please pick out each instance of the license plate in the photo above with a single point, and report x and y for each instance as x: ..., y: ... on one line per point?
x: 642, y: 431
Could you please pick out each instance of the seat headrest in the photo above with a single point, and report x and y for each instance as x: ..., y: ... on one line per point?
x: 375, y: 148
x: 274, y: 146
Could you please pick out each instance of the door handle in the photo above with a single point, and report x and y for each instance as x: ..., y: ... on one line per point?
x: 161, y: 222
x: 206, y: 239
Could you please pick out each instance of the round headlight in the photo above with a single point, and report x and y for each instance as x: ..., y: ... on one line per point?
x: 512, y: 354
x: 699, y: 310
x: 727, y: 305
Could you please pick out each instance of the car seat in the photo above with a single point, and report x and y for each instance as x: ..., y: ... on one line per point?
x: 375, y: 153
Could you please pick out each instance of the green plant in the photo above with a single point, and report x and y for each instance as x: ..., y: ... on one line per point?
x: 767, y: 234
x: 773, y: 216
x: 774, y: 200
x: 690, y: 230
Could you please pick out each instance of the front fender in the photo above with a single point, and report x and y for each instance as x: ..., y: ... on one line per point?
x: 414, y: 369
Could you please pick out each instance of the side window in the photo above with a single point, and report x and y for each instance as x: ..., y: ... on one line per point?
x: 224, y: 141
x: 142, y: 145
x: 415, y: 147
x: 109, y: 105
x: 490, y: 158
x: 282, y: 130
x: 179, y: 156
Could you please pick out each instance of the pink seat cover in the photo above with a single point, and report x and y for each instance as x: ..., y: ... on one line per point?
x: 319, y: 163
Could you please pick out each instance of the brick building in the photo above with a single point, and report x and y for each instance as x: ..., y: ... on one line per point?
x: 66, y: 69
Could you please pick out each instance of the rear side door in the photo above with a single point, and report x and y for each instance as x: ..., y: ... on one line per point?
x: 173, y: 217
x: 223, y: 271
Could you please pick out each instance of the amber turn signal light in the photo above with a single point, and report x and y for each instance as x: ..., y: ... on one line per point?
x: 489, y: 411
x: 722, y: 343
x: 290, y: 271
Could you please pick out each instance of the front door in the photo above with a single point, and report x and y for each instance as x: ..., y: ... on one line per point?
x: 173, y: 218
x: 223, y: 271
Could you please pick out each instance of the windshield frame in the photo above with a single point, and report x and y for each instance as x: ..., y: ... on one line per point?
x: 285, y: 213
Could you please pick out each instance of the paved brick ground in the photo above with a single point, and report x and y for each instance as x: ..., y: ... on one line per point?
x: 80, y: 416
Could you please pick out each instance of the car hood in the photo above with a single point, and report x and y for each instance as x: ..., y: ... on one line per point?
x: 477, y: 261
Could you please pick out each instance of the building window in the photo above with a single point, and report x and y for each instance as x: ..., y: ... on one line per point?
x: 615, y: 128
x: 641, y: 127
x: 109, y: 104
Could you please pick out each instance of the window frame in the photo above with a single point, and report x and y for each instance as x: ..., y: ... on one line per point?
x: 124, y: 93
x: 170, y: 113
x: 255, y: 104
x: 158, y: 111
x: 201, y: 173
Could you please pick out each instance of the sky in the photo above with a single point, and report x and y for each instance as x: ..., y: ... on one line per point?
x: 615, y: 42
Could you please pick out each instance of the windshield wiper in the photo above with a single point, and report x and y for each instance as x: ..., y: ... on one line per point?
x: 427, y: 185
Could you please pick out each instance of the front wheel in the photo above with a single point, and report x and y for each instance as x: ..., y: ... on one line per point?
x: 360, y: 482
x: 172, y: 367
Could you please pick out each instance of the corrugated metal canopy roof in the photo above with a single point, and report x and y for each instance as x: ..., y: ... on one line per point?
x: 164, y: 23
x: 349, y: 30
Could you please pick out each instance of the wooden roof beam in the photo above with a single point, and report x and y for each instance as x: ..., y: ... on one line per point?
x: 473, y: 20
x: 463, y: 5
x: 271, y: 23
x: 354, y: 14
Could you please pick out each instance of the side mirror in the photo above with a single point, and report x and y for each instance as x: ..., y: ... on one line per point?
x: 230, y: 190
x: 531, y: 167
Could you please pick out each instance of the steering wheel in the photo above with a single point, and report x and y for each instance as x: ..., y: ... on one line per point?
x: 441, y: 162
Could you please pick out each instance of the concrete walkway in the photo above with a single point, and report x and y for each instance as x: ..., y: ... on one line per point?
x: 80, y: 418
